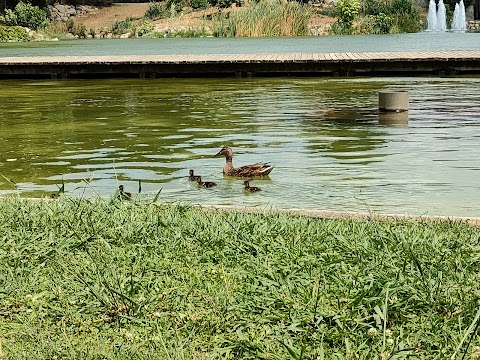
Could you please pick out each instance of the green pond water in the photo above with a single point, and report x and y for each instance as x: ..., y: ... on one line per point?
x: 324, y: 136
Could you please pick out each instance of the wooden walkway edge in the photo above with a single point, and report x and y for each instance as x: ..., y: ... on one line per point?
x: 245, y: 65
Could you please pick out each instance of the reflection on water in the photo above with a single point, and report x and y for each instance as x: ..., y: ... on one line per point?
x: 331, y: 148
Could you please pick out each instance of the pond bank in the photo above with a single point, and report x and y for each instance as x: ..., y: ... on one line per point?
x: 345, y: 215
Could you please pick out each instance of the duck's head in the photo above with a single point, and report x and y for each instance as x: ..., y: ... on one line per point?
x: 246, y: 183
x: 191, y: 172
x: 120, y: 187
x: 225, y: 151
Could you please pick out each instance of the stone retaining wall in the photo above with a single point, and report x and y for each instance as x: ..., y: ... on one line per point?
x: 59, y: 12
x: 474, y: 25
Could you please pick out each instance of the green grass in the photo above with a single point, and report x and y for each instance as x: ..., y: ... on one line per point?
x: 99, y: 279
x: 266, y: 19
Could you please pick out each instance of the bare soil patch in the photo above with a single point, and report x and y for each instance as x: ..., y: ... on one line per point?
x: 105, y: 17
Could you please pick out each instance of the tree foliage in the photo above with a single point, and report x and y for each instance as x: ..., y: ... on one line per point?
x: 26, y: 15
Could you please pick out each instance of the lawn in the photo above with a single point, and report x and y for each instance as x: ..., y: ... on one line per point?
x: 135, y: 280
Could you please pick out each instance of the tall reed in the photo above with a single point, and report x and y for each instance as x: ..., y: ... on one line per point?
x: 269, y: 18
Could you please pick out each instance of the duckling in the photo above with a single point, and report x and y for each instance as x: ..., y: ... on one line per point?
x: 205, y: 184
x: 258, y: 169
x: 122, y: 194
x: 61, y: 190
x: 193, y: 177
x: 249, y: 188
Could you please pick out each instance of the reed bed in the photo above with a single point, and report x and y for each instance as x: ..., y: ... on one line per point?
x: 122, y: 280
x: 266, y: 19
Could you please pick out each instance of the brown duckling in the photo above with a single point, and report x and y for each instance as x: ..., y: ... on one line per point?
x: 122, y: 194
x: 205, y: 184
x: 61, y: 190
x: 193, y: 177
x: 249, y: 188
x: 258, y: 169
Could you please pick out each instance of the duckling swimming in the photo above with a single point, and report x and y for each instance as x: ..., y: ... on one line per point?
x: 249, y: 188
x: 193, y: 177
x: 205, y: 184
x: 258, y: 169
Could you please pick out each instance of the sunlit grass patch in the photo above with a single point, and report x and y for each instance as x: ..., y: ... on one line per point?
x: 112, y: 279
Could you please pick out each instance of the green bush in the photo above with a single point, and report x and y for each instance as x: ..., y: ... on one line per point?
x: 224, y: 3
x: 403, y: 7
x: 145, y: 28
x: 13, y: 33
x: 374, y: 7
x: 123, y: 26
x: 381, y: 23
x: 156, y: 10
x: 70, y: 24
x: 25, y: 15
x: 341, y: 28
x: 199, y: 4
x: 408, y: 23
x: 80, y: 30
x: 347, y: 10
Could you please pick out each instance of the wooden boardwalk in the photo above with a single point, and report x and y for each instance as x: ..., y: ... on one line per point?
x: 242, y: 65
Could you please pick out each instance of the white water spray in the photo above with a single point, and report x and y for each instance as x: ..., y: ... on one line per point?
x: 459, y: 22
x: 432, y: 16
x: 441, y: 17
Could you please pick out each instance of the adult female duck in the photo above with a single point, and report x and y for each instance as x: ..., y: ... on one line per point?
x: 254, y: 170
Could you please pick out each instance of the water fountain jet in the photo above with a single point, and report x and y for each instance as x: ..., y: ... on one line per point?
x: 441, y: 17
x: 459, y: 22
x: 432, y: 16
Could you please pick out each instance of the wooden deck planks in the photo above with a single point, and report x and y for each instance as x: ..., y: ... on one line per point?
x: 250, y: 62
x: 295, y: 57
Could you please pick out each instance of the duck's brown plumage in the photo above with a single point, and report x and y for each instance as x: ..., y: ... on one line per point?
x: 249, y: 188
x: 205, y: 184
x: 253, y: 170
x: 193, y: 177
x: 122, y: 194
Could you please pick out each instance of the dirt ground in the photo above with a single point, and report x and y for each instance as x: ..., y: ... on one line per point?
x: 106, y: 16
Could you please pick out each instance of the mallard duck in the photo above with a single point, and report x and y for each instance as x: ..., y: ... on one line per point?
x: 193, y: 177
x: 122, y: 194
x: 205, y: 184
x: 258, y: 169
x: 249, y: 188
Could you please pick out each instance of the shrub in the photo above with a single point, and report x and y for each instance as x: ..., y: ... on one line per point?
x: 380, y: 23
x: 341, y: 28
x: 374, y: 7
x: 199, y: 4
x: 408, y: 23
x: 80, y: 30
x: 224, y: 3
x: 404, y: 7
x: 156, y: 10
x: 145, y: 28
x: 347, y: 10
x: 13, y: 33
x: 25, y: 15
x: 70, y: 24
x: 123, y: 26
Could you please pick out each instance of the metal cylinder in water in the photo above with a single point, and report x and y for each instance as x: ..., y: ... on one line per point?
x: 396, y: 119
x: 393, y: 101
